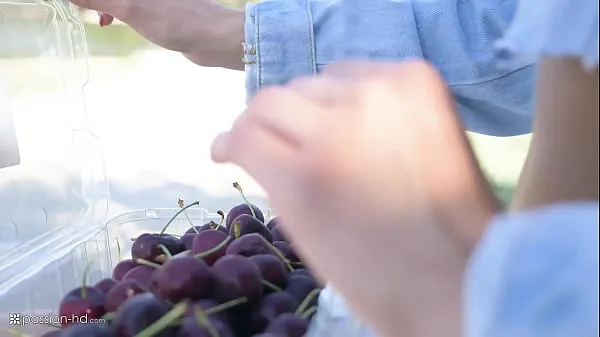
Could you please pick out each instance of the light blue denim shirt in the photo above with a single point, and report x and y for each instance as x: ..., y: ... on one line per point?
x: 534, y: 274
x: 290, y: 38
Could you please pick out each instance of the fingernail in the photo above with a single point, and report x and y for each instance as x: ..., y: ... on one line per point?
x: 218, y: 150
x: 104, y: 19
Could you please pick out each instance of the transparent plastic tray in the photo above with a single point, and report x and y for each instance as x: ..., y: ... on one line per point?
x: 53, y: 187
x: 42, y: 290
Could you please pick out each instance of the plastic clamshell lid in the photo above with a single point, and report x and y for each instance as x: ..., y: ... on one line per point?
x: 53, y: 186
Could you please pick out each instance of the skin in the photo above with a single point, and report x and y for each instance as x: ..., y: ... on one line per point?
x: 349, y: 179
x: 562, y: 164
x: 205, y: 32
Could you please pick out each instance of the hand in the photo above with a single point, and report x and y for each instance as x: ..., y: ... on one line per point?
x: 371, y: 173
x: 203, y: 30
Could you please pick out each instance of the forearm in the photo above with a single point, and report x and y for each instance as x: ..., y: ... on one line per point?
x: 226, y: 45
x: 562, y: 164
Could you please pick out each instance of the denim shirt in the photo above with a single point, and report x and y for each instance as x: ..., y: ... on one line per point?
x: 290, y: 38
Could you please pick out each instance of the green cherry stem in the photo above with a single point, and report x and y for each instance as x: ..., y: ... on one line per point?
x: 278, y: 253
x: 183, y: 209
x: 222, y: 215
x: 309, y: 312
x: 180, y: 203
x: 238, y: 187
x: 224, y: 306
x: 147, y: 263
x: 271, y: 286
x: 214, y: 249
x: 119, y: 252
x: 307, y: 300
x: 165, y: 250
x: 202, y: 319
x: 86, y: 273
x: 165, y: 321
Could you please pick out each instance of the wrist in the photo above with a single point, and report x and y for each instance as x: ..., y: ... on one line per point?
x: 222, y: 44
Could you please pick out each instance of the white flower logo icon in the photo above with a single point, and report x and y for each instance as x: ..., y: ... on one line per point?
x: 14, y: 319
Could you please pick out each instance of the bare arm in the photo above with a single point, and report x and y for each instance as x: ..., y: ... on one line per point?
x: 562, y: 164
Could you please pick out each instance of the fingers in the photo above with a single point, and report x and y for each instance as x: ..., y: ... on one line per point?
x: 262, y: 154
x: 325, y: 90
x: 287, y: 113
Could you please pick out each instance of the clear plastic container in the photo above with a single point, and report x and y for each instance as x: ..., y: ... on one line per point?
x: 53, y: 186
x: 44, y: 287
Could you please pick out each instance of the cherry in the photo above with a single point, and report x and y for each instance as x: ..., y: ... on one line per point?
x: 121, y: 292
x: 300, y: 286
x: 274, y: 222
x: 122, y: 268
x: 237, y: 277
x: 245, y: 208
x: 304, y: 272
x: 284, y: 248
x: 288, y: 324
x: 271, y: 269
x: 82, y: 304
x: 105, y: 285
x: 142, y: 274
x: 246, y: 224
x: 187, y: 240
x: 278, y: 234
x: 248, y: 245
x: 138, y: 313
x: 151, y: 247
x: 185, y: 277
x: 271, y: 307
x: 191, y: 326
x: 208, y: 240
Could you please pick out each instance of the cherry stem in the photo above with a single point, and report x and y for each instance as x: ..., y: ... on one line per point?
x: 236, y: 229
x: 214, y: 249
x: 147, y: 263
x: 109, y: 316
x: 237, y: 186
x: 278, y: 253
x: 307, y: 300
x: 164, y: 321
x: 183, y: 209
x: 86, y: 273
x: 14, y: 332
x: 271, y: 285
x: 180, y: 203
x: 309, y: 312
x: 224, y: 306
x: 297, y: 264
x: 119, y: 253
x: 222, y: 215
x: 185, y: 252
x: 165, y: 250
x: 202, y: 319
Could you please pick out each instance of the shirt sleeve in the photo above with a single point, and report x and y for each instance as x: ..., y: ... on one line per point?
x: 290, y: 38
x: 535, y: 274
x: 559, y: 28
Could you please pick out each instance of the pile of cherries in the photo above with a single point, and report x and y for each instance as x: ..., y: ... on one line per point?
x: 239, y: 278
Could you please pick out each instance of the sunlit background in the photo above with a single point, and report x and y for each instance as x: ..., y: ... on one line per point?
x: 157, y: 113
